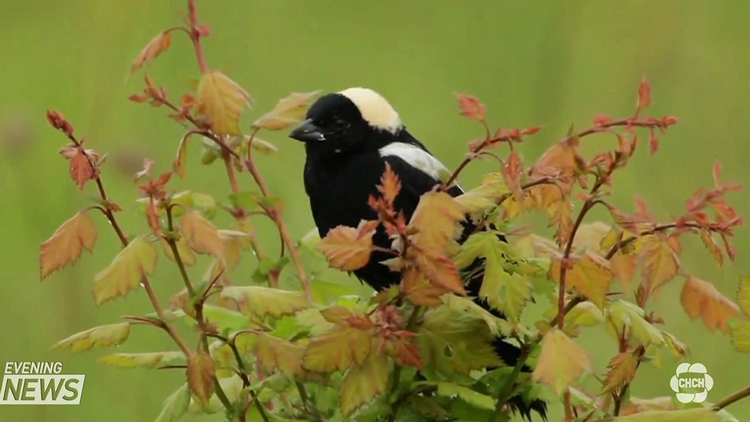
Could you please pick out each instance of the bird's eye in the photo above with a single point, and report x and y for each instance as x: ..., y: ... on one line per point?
x: 341, y: 123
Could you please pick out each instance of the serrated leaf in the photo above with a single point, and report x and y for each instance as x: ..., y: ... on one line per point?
x: 475, y: 246
x: 471, y: 107
x: 101, y: 336
x: 153, y: 49
x: 415, y: 288
x: 561, y: 362
x: 701, y: 299
x: 337, y: 350
x: 471, y: 397
x: 584, y: 314
x: 678, y: 348
x: 221, y: 100
x: 67, y: 243
x: 143, y: 360
x: 200, y: 376
x: 287, y: 111
x: 264, y: 302
x: 275, y: 354
x: 363, y: 383
x: 484, y: 197
x: 590, y: 276
x: 347, y: 248
x: 225, y: 320
x: 440, y: 270
x: 622, y: 369
x: 175, y: 406
x: 505, y: 292
x: 660, y: 263
x: 201, y: 235
x: 126, y: 271
x: 692, y: 415
x: 436, y: 221
x: 623, y: 314
x: 263, y: 146
x: 236, y: 242
x: 712, y: 247
x: 455, y: 341
x: 623, y: 266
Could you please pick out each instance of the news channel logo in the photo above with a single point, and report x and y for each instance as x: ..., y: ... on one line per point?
x: 691, y: 383
x: 40, y: 383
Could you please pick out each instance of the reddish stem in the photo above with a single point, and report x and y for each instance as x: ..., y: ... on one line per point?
x: 195, y: 36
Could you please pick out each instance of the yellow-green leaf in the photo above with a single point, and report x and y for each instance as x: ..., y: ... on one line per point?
x: 179, y: 163
x: 221, y: 100
x: 175, y: 405
x: 288, y: 110
x: 363, y: 382
x: 186, y: 254
x: 743, y: 295
x: 275, y: 354
x: 740, y: 332
x: 505, y: 292
x: 200, y: 376
x: 436, y: 221
x: 622, y: 369
x: 101, y: 336
x: 126, y: 271
x: 67, y: 243
x: 561, y: 361
x: 590, y: 276
x: 265, y: 302
x: 143, y: 360
x: 470, y: 396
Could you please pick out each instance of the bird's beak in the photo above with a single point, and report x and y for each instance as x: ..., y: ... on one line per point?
x: 307, y: 132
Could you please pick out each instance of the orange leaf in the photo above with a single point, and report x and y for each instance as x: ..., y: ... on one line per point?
x: 701, y: 299
x: 590, y: 275
x: 436, y: 221
x: 622, y: 369
x: 288, y: 110
x: 561, y: 362
x: 623, y: 266
x: 471, y: 107
x: 178, y: 165
x: 563, y: 220
x: 81, y: 170
x: 405, y: 352
x: 67, y: 243
x: 441, y: 271
x: 337, y: 350
x: 644, y: 94
x: 201, y: 235
x: 275, y: 353
x: 390, y: 185
x: 660, y: 263
x: 713, y: 247
x: 200, y: 375
x: 221, y: 100
x: 347, y: 248
x: 419, y: 291
x: 511, y: 171
x: 156, y: 46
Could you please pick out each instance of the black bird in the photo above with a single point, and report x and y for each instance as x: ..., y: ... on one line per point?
x: 349, y: 137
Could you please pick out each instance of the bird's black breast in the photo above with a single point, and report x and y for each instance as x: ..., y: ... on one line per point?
x: 339, y: 188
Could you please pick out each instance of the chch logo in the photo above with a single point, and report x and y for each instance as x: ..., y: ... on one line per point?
x: 691, y: 383
x: 39, y: 383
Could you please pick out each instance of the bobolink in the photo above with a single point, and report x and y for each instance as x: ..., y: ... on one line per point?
x: 349, y: 137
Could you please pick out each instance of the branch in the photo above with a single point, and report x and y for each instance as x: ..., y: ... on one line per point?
x: 731, y: 399
x: 195, y: 36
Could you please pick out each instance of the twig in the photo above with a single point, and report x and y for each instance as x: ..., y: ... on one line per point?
x: 195, y: 36
x: 732, y: 398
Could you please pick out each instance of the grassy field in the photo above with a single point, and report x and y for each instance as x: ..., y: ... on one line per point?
x: 532, y: 63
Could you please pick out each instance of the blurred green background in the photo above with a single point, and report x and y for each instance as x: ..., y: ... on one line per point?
x: 532, y: 63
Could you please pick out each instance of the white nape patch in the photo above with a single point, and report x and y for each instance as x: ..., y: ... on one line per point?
x: 374, y: 109
x: 416, y: 157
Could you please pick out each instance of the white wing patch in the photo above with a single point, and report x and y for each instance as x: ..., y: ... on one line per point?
x: 374, y: 109
x: 417, y: 158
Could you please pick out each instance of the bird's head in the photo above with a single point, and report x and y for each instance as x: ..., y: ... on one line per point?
x: 355, y: 119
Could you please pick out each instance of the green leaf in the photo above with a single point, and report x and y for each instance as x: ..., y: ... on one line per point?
x: 474, y: 247
x: 265, y: 302
x: 585, y: 314
x: 175, y: 405
x: 226, y: 320
x: 126, y: 271
x: 101, y: 336
x: 624, y: 314
x: 505, y: 292
x: 274, y: 354
x: 691, y: 415
x: 471, y: 397
x: 246, y: 200
x: 144, y: 360
x: 456, y: 342
x: 264, y: 147
x: 363, y: 383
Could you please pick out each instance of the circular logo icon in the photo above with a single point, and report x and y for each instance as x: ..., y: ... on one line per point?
x: 694, y: 378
